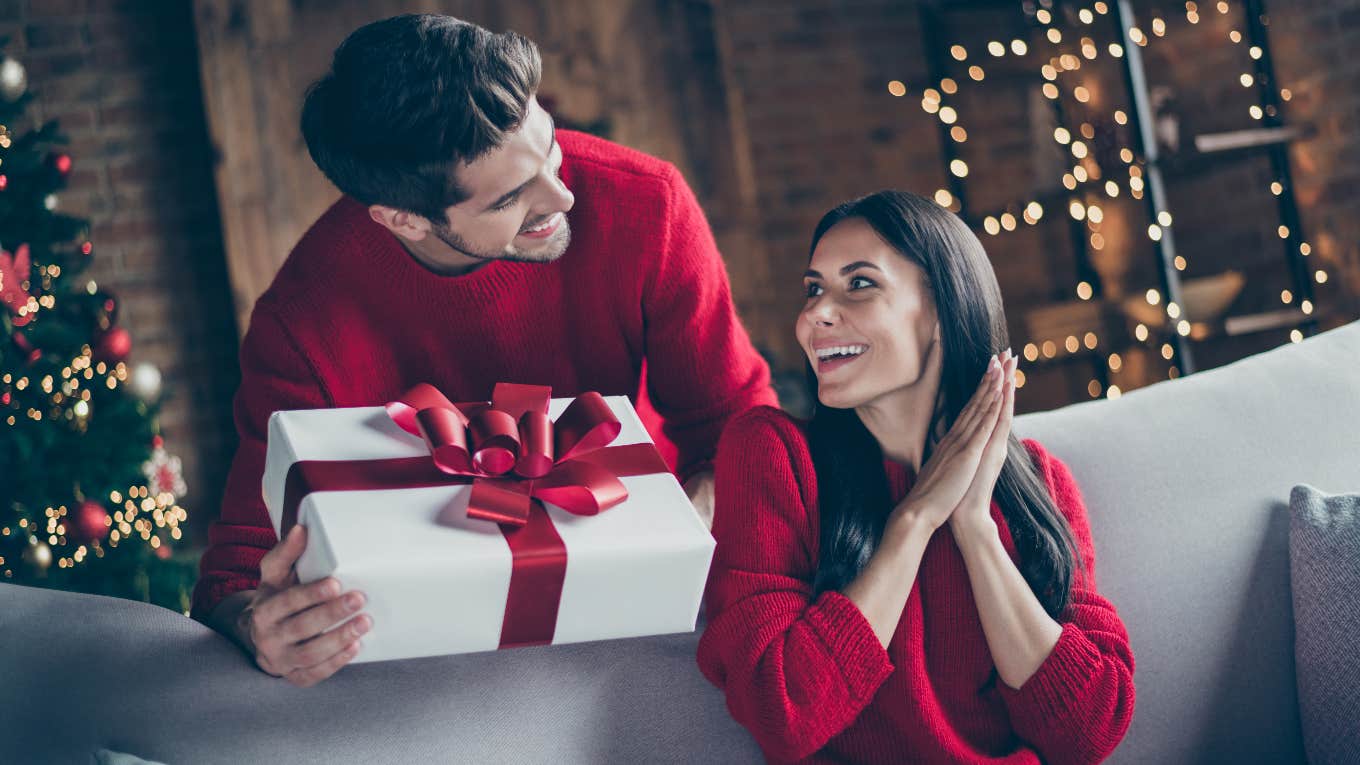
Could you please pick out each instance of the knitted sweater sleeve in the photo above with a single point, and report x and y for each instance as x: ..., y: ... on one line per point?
x: 796, y: 669
x: 275, y: 376
x: 702, y: 369
x: 1078, y: 705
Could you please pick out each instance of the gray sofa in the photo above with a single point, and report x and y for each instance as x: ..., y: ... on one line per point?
x: 1187, y: 484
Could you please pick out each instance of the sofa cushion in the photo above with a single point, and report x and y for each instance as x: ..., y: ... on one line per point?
x: 1324, y: 561
x: 1187, y: 487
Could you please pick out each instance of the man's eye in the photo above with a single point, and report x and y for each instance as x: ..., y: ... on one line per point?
x: 505, y: 205
x: 813, y: 289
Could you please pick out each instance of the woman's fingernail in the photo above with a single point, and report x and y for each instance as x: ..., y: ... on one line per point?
x: 353, y: 601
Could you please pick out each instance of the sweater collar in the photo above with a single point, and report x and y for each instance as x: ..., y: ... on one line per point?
x: 387, y: 262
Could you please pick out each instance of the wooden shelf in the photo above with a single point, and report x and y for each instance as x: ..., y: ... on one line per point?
x: 1262, y: 322
x: 1212, y: 143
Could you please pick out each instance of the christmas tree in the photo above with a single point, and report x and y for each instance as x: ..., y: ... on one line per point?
x: 87, y: 490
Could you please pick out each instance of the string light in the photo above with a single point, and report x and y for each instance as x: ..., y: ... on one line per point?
x: 1085, y: 170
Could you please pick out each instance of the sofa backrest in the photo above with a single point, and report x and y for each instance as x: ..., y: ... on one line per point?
x: 1187, y: 486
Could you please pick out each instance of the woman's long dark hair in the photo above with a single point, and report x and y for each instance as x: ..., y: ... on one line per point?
x: 852, y: 487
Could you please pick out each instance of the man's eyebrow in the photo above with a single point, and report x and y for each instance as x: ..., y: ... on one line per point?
x: 506, y: 197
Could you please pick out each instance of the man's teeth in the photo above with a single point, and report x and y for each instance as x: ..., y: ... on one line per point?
x: 841, y: 350
x: 542, y: 226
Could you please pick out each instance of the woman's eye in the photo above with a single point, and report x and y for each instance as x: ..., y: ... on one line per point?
x: 861, y: 282
x: 813, y: 289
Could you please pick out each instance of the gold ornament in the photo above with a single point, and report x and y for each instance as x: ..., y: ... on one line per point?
x: 38, y: 556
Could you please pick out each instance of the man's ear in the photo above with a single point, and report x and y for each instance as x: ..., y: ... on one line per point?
x: 404, y: 224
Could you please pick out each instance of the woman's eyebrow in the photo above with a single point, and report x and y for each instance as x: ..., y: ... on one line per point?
x: 812, y: 274
x: 859, y: 264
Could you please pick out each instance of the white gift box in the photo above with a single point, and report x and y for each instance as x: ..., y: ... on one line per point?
x: 441, y: 587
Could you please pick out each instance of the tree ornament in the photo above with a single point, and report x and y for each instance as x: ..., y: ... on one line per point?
x: 15, y: 270
x: 13, y: 79
x: 164, y: 472
x: 38, y: 556
x: 145, y: 382
x: 90, y: 523
x: 114, y: 346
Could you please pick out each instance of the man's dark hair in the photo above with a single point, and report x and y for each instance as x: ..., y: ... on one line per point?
x: 407, y: 99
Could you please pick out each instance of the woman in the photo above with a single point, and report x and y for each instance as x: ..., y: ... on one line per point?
x: 901, y: 579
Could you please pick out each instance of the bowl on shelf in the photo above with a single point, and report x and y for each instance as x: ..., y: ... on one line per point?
x: 1203, y: 300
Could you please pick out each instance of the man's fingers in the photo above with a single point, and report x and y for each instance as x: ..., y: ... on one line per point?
x: 277, y: 565
x: 322, y: 647
x: 309, y: 676
x: 307, y: 624
x: 297, y: 598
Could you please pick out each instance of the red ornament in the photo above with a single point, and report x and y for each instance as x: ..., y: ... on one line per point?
x: 63, y: 163
x: 163, y: 552
x: 157, y: 442
x: 86, y: 248
x: 90, y: 522
x: 4, y: 182
x: 114, y: 346
x: 4, y: 398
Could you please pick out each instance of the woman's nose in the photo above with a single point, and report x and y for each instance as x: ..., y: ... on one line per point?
x: 823, y: 314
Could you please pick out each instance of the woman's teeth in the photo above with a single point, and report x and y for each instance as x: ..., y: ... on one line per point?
x: 824, y: 354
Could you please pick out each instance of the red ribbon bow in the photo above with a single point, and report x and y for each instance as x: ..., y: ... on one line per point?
x: 515, y: 454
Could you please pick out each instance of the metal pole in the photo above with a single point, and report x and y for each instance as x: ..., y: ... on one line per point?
x: 1273, y: 116
x: 1146, y: 144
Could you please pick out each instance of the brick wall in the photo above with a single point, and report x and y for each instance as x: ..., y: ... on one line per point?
x: 823, y: 128
x: 122, y: 79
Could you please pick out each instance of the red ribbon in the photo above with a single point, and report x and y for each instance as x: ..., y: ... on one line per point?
x: 515, y: 458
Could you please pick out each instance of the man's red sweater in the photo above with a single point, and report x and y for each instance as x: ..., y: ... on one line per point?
x: 352, y: 320
x: 808, y: 677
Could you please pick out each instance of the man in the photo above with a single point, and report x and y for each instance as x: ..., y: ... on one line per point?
x: 475, y: 243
